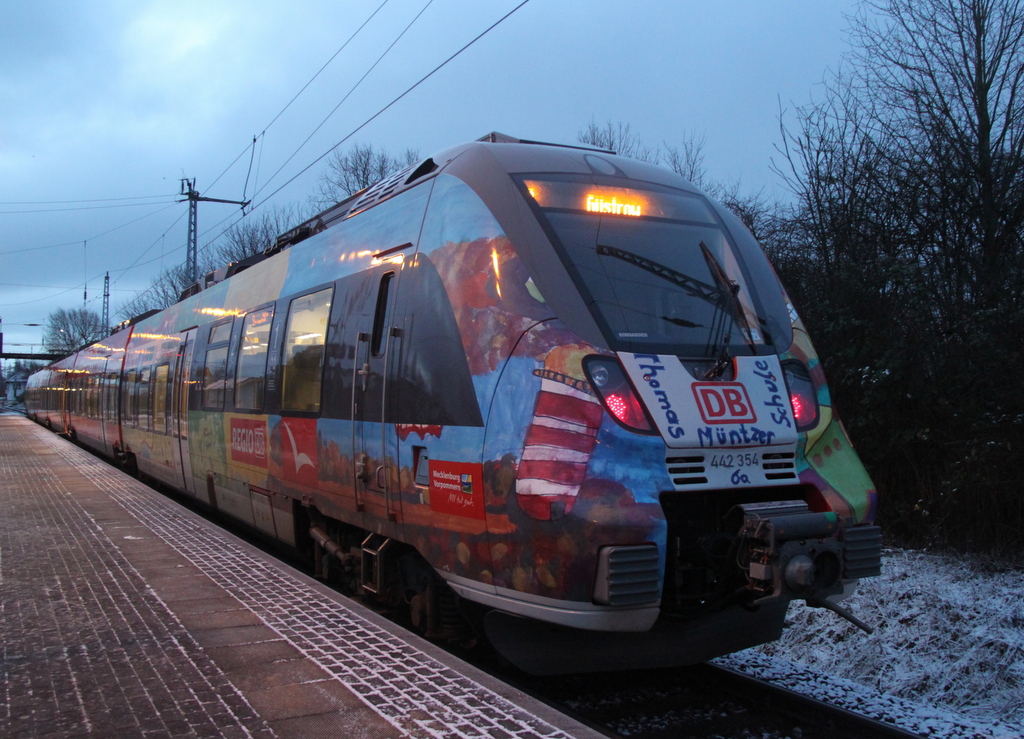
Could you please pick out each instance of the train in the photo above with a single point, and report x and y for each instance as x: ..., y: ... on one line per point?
x: 545, y: 393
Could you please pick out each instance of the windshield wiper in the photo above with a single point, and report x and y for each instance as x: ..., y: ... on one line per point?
x: 696, y: 288
x: 723, y: 291
x: 729, y: 291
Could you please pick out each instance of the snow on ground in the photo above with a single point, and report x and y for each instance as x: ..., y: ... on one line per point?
x: 946, y: 657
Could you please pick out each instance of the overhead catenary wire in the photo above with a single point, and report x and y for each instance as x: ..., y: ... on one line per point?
x: 261, y: 138
x: 311, y: 164
x: 380, y: 112
x: 159, y: 239
x: 365, y: 123
x: 342, y: 48
x: 151, y: 197
x: 91, y: 238
x: 320, y: 125
x: 346, y: 96
x: 372, y: 118
x: 122, y: 271
x: 78, y: 207
x: 262, y: 134
x: 76, y: 202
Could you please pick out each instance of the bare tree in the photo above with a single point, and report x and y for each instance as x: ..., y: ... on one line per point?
x: 905, y: 253
x: 687, y: 160
x: 618, y: 137
x: 946, y: 77
x: 252, y: 235
x: 256, y: 233
x: 356, y: 169
x: 165, y: 289
x: 69, y: 330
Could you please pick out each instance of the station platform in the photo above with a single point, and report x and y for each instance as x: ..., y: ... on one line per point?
x: 123, y: 614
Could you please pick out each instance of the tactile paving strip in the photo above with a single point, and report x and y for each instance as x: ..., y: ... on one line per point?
x: 86, y: 647
x: 410, y: 689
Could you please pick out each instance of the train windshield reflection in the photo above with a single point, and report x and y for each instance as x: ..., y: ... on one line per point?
x: 635, y: 255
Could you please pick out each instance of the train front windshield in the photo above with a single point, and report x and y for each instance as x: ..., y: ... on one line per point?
x: 655, y: 266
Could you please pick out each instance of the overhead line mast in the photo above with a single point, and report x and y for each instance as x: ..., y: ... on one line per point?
x: 188, y: 189
x: 106, y: 304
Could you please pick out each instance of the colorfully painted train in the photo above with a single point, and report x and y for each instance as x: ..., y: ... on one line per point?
x: 553, y: 390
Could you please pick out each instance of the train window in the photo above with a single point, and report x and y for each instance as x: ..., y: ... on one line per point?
x: 305, y: 336
x: 160, y: 399
x: 380, y: 317
x: 144, y: 399
x: 127, y: 399
x: 220, y: 332
x: 252, y: 360
x: 214, y: 376
x: 112, y: 396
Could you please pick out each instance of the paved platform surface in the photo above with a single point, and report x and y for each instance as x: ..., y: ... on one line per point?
x: 123, y: 614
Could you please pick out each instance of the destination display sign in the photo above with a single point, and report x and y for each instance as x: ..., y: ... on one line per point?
x: 618, y: 201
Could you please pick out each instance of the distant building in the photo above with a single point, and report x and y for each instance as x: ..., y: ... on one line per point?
x: 15, y: 383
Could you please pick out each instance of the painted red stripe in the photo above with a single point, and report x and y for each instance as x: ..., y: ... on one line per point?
x: 568, y: 473
x: 568, y: 408
x: 561, y: 438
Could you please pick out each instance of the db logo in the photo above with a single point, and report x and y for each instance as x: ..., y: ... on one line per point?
x: 723, y: 402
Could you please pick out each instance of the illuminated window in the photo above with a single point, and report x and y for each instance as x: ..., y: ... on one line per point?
x: 305, y: 337
x: 252, y: 360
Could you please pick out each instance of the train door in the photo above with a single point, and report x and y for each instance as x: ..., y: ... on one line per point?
x: 102, y: 399
x: 375, y: 441
x: 65, y: 401
x: 179, y: 407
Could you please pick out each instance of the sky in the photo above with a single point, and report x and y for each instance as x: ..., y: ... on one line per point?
x: 106, y: 105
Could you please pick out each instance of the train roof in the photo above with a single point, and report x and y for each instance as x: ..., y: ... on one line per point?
x: 474, y: 161
x: 507, y: 153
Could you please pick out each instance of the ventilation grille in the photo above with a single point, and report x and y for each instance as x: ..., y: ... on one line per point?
x: 862, y: 556
x: 379, y: 191
x: 627, y: 576
x: 688, y: 470
x: 779, y: 466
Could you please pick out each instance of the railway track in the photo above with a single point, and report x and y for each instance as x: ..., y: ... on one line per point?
x: 701, y: 701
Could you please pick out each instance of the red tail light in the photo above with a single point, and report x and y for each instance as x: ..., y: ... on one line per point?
x: 616, y: 393
x: 802, y: 394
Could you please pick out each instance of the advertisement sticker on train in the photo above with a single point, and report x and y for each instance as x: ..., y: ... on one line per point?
x: 298, y: 444
x: 457, y: 488
x: 249, y: 441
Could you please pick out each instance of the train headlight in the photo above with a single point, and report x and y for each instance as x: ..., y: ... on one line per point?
x: 611, y: 385
x: 802, y: 394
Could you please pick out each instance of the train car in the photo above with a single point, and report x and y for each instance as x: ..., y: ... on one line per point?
x: 556, y: 390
